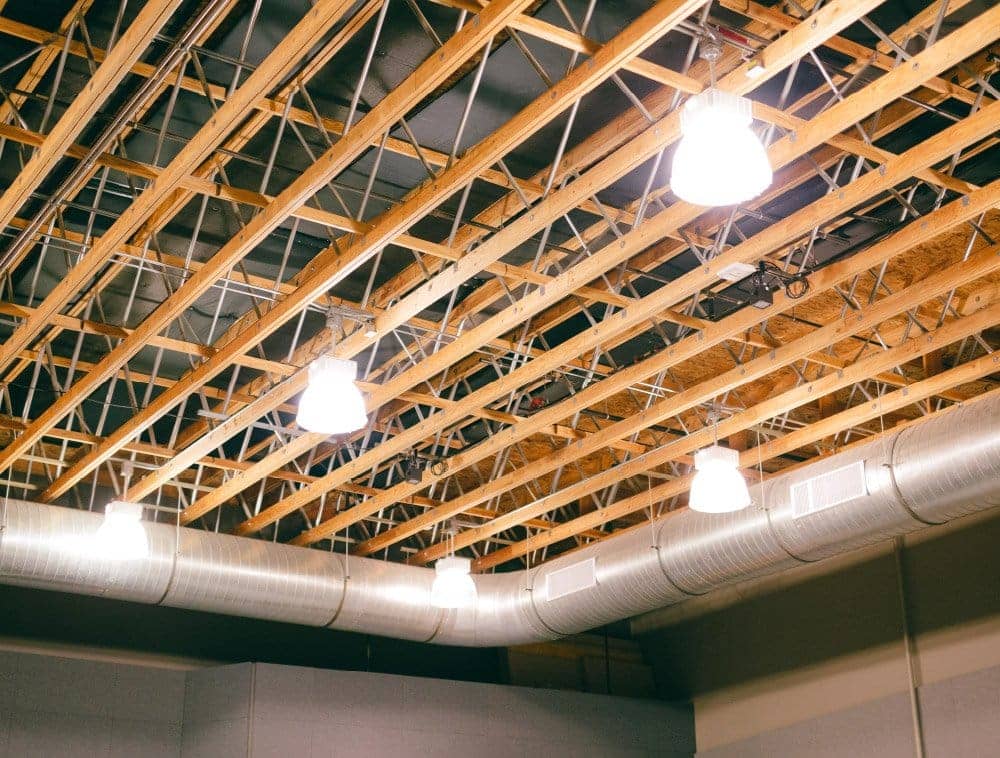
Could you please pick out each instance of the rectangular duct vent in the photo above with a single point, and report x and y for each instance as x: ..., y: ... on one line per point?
x: 829, y: 489
x: 573, y: 578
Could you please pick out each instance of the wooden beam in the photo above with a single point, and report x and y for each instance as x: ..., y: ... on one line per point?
x: 23, y: 312
x: 47, y: 55
x: 929, y: 152
x: 852, y: 108
x: 78, y: 308
x: 660, y: 106
x: 423, y: 80
x: 196, y: 184
x: 334, y: 265
x: 862, y: 55
x: 983, y: 263
x: 115, y: 67
x: 275, y: 67
x: 276, y: 106
x: 689, y: 85
x: 847, y: 419
x: 494, y: 248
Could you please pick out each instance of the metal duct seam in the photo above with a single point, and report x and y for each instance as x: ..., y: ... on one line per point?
x: 50, y: 548
x: 706, y: 551
x: 388, y: 599
x: 503, y: 616
x: 943, y: 468
x: 226, y: 574
x: 873, y: 514
x: 627, y: 576
x: 962, y: 478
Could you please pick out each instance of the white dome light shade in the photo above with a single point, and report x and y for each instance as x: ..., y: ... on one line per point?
x: 453, y: 586
x: 719, y: 160
x: 122, y: 537
x: 718, y: 485
x: 332, y: 402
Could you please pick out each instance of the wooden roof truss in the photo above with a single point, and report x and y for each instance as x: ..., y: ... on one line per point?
x: 557, y: 341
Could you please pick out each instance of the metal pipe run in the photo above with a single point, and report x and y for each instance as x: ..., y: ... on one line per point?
x: 927, y: 473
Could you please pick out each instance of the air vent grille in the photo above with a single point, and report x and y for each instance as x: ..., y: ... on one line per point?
x: 829, y: 489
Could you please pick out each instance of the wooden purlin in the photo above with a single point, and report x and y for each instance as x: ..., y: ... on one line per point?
x: 833, y: 120
x: 462, y: 45
x: 88, y: 326
x: 398, y: 284
x: 482, y: 295
x: 893, y: 116
x: 491, y: 250
x: 850, y: 418
x: 621, y: 301
x: 275, y: 106
x: 981, y: 264
x: 43, y: 61
x: 198, y: 185
x: 783, y: 181
x: 287, y: 453
x: 105, y: 80
x: 160, y: 452
x: 821, y: 281
x: 934, y: 149
x: 79, y: 308
x: 879, y: 57
x: 515, y: 272
x: 691, y: 85
x: 623, y: 127
x: 273, y: 69
x: 211, y: 392
x: 331, y: 266
x: 322, y: 341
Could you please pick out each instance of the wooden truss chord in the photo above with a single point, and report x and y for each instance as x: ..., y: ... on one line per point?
x: 634, y: 241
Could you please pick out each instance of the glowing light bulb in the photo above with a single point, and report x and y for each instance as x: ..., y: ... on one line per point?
x: 332, y: 402
x: 453, y: 586
x: 122, y: 537
x: 718, y: 485
x: 719, y: 160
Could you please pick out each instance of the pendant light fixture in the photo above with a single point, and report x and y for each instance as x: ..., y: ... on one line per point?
x: 719, y: 160
x: 121, y: 536
x: 453, y: 585
x: 718, y: 485
x: 332, y: 402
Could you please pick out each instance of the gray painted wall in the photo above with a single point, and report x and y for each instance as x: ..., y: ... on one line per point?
x: 312, y: 712
x: 830, y: 644
x: 217, y: 711
x: 960, y: 718
x: 65, y: 707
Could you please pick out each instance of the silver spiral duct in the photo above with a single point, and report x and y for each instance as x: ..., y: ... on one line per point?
x: 927, y: 473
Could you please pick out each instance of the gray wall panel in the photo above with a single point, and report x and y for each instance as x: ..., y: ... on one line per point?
x: 961, y: 716
x: 215, y: 739
x: 51, y: 706
x: 301, y: 711
x: 217, y: 712
x: 68, y: 708
x: 149, y: 739
x: 960, y: 719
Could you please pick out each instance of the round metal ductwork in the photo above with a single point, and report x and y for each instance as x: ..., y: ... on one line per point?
x: 928, y: 473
